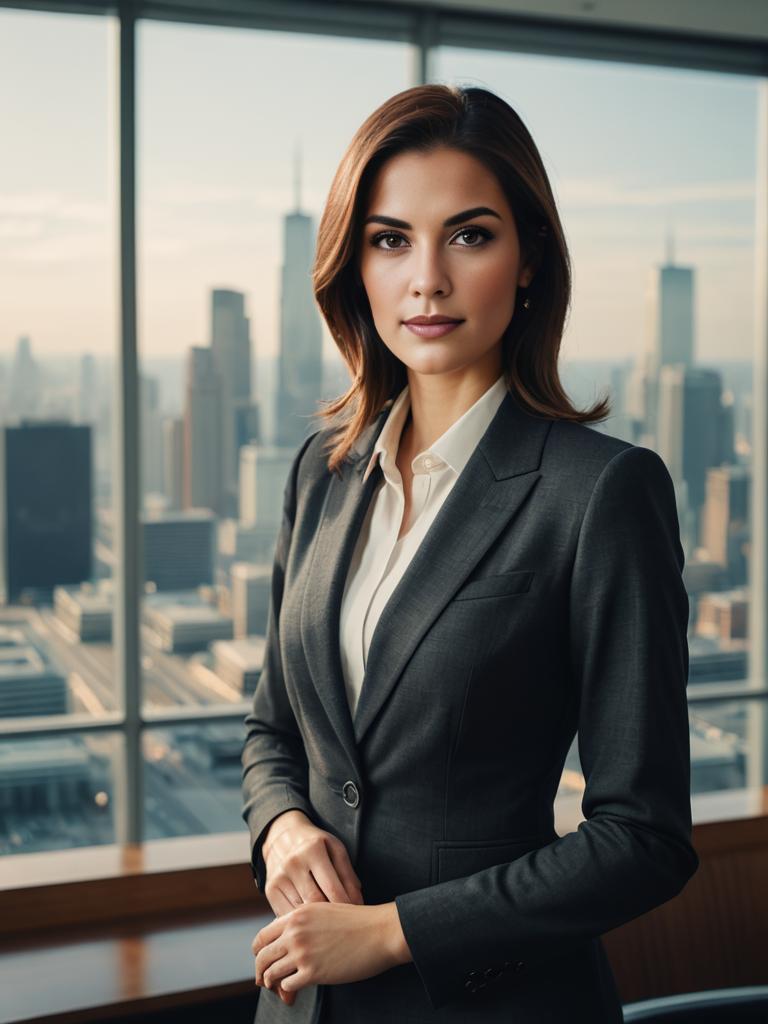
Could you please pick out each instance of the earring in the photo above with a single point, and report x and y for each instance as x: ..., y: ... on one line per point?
x: 526, y: 303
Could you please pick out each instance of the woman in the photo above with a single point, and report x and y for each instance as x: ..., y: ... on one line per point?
x: 467, y: 574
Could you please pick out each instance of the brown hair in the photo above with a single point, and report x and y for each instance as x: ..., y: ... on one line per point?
x: 477, y: 122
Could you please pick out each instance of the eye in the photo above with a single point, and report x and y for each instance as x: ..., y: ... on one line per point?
x: 484, y: 234
x: 381, y: 236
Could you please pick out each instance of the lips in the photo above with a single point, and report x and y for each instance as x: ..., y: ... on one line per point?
x: 432, y: 330
x: 433, y: 320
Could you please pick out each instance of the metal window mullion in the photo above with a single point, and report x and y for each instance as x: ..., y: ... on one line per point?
x: 757, y: 718
x: 129, y: 789
x: 424, y: 48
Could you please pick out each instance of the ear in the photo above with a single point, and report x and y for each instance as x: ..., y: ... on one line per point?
x: 525, y: 277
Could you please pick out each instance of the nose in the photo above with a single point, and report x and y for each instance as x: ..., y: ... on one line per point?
x: 429, y: 275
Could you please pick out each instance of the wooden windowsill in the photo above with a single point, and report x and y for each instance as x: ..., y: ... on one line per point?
x: 110, y: 933
x: 160, y: 878
x: 104, y: 973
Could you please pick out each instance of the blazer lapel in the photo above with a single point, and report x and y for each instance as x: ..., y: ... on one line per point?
x: 344, y: 509
x: 491, y: 488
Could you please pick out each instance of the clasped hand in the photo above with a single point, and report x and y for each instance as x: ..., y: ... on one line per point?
x: 323, y: 932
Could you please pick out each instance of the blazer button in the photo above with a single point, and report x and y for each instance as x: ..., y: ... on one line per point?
x: 350, y: 793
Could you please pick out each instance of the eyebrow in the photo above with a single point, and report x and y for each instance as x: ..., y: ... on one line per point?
x: 457, y: 218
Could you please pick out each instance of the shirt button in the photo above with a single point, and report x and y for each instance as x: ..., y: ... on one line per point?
x: 351, y: 795
x: 428, y: 463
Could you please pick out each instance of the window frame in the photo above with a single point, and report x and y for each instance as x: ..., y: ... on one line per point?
x: 426, y: 28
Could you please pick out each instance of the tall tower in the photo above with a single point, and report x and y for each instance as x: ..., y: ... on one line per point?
x: 202, y: 433
x: 670, y: 333
x: 691, y: 423
x: 671, y: 311
x: 24, y: 383
x: 231, y: 350
x: 301, y: 340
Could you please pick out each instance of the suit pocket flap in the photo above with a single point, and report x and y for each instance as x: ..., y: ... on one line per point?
x: 516, y: 582
x: 456, y: 859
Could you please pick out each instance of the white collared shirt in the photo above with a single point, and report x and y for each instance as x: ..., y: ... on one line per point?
x: 379, y: 558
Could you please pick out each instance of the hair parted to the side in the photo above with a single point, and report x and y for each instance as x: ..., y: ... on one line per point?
x: 477, y: 122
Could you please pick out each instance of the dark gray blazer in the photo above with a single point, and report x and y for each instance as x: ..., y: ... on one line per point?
x: 545, y: 599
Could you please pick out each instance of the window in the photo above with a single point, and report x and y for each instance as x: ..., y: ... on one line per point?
x: 58, y: 248
x: 232, y: 169
x: 659, y: 212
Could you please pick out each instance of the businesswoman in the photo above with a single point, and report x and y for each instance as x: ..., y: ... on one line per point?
x: 466, y: 576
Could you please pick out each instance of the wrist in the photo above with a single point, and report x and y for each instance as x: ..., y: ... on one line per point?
x: 395, y: 939
x: 279, y: 824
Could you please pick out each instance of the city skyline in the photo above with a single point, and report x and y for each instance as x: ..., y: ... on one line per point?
x: 215, y: 178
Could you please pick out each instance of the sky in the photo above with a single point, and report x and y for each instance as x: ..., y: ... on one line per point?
x: 630, y: 150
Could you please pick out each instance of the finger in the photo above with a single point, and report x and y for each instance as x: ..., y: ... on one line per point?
x: 266, y: 935
x: 309, y: 890
x: 284, y: 896
x: 292, y: 983
x: 289, y: 998
x: 273, y: 951
x: 278, y: 971
x: 348, y: 882
x: 295, y: 870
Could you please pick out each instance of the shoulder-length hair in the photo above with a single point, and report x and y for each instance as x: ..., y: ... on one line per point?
x: 477, y: 122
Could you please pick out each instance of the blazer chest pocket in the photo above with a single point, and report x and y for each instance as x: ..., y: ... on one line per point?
x: 453, y: 858
x: 501, y: 585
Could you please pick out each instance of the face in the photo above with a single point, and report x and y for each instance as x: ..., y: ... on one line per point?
x: 427, y: 249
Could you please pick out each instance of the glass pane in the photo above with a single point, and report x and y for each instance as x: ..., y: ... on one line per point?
x: 192, y: 781
x: 57, y: 345
x: 234, y: 168
x: 58, y: 792
x: 653, y: 172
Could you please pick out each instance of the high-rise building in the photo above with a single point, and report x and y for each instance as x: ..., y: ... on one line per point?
x: 251, y: 588
x: 301, y: 340
x: 23, y: 398
x: 231, y: 350
x: 179, y: 549
x: 671, y: 311
x: 45, y: 507
x: 203, y: 481
x: 690, y: 421
x: 173, y: 461
x: 670, y: 339
x: 263, y: 474
x: 150, y: 421
x: 725, y: 521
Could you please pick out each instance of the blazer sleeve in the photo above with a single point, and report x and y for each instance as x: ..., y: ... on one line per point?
x: 274, y: 762
x: 627, y: 628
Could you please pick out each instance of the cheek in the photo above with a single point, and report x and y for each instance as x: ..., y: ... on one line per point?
x: 493, y: 287
x: 380, y: 286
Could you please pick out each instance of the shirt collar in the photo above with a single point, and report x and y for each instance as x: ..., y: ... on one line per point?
x: 453, y: 447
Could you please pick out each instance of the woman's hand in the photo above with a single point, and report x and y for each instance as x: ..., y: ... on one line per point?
x: 305, y: 865
x: 328, y: 944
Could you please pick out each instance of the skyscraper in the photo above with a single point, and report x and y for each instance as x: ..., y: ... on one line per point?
x: 690, y: 423
x: 231, y: 350
x: 202, y: 433
x: 301, y: 341
x: 669, y: 338
x: 45, y: 506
